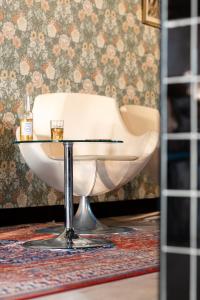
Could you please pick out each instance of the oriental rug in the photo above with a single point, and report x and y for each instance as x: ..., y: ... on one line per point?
x: 27, y: 273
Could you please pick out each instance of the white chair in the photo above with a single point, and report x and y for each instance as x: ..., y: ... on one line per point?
x: 139, y: 119
x: 98, y: 167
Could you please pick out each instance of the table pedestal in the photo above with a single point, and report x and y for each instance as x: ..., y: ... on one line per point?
x: 68, y: 239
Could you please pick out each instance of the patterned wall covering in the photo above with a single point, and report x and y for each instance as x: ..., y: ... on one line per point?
x: 92, y: 46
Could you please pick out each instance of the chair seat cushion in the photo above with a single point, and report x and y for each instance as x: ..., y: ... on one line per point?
x: 99, y: 157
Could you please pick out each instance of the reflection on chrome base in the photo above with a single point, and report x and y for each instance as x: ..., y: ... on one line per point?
x: 68, y: 240
x: 84, y: 231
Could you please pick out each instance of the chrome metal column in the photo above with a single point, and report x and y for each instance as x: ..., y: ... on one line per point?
x: 68, y: 184
x: 85, y: 221
x: 68, y: 193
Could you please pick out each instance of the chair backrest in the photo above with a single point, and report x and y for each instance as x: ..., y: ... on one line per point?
x: 88, y: 117
x: 140, y: 119
x: 85, y: 116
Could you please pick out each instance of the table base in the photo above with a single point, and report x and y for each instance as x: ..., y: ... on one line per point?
x: 65, y: 241
x: 84, y: 231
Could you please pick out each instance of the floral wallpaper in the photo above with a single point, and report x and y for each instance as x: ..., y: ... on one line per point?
x: 92, y: 46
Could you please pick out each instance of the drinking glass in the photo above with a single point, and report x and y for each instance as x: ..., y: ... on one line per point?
x: 57, y: 129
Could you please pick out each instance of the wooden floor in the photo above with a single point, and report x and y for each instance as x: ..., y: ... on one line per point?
x: 143, y: 287
x: 137, y: 288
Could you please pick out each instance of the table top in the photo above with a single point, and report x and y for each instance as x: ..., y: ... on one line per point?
x: 70, y: 141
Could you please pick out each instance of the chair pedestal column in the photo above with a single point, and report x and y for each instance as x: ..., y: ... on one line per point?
x: 85, y: 222
x: 84, y: 219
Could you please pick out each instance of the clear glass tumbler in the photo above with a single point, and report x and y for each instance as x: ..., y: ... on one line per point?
x: 57, y: 128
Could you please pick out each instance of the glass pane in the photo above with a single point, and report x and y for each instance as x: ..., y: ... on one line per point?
x: 198, y: 168
x: 198, y: 224
x: 177, y: 277
x: 178, y: 51
x: 198, y: 113
x: 73, y: 141
x: 178, y: 108
x: 198, y: 277
x: 178, y: 173
x: 198, y: 49
x: 178, y: 9
x: 178, y: 221
x: 198, y: 3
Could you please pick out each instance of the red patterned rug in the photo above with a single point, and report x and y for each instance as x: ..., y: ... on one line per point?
x: 27, y: 273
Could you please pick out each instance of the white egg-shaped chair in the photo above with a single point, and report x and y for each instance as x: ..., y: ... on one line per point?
x: 98, y: 167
